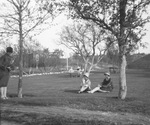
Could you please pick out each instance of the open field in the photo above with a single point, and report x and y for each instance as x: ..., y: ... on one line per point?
x: 53, y: 99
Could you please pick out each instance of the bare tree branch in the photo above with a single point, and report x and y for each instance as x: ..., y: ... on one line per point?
x: 84, y: 40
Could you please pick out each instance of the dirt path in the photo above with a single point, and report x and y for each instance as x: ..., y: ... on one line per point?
x: 124, y: 118
x: 8, y: 123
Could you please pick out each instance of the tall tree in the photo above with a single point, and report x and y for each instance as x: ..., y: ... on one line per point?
x: 21, y: 17
x: 88, y: 41
x: 123, y: 18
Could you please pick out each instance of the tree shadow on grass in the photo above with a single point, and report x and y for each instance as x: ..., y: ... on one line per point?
x: 71, y: 91
x: 127, y: 99
x: 13, y: 95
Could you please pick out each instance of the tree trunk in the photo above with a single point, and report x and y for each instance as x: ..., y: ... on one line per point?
x: 86, y: 65
x: 20, y: 71
x: 122, y: 77
x: 20, y: 55
x: 20, y: 86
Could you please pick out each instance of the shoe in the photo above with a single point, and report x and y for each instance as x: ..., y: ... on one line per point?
x: 3, y: 98
x: 90, y: 92
x: 79, y: 92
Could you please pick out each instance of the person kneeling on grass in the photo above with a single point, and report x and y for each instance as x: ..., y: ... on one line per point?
x: 86, y: 83
x: 105, y: 86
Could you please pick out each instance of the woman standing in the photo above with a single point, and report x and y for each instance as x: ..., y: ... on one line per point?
x: 6, y: 66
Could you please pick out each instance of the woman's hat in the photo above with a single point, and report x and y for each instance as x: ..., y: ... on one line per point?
x: 86, y: 74
x: 107, y: 73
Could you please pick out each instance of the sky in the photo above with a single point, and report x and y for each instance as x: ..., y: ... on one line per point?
x: 49, y: 38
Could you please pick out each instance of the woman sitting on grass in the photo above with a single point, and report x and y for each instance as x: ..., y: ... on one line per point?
x: 86, y: 83
x: 105, y: 86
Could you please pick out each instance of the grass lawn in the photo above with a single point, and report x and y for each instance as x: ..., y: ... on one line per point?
x: 61, y: 90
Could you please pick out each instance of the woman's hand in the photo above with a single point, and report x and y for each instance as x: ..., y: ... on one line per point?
x: 9, y: 69
x: 3, y: 68
x: 99, y: 85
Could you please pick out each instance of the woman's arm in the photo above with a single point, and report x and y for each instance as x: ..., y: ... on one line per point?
x: 2, y: 60
x: 89, y: 82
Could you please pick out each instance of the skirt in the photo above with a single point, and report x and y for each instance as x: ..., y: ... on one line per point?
x: 4, y: 78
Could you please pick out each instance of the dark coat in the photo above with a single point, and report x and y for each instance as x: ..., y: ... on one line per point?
x: 107, y: 85
x: 5, y: 67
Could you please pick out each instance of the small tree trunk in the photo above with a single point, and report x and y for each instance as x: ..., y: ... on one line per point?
x: 122, y: 78
x: 20, y: 54
x: 86, y: 66
x: 20, y: 87
x: 20, y: 70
